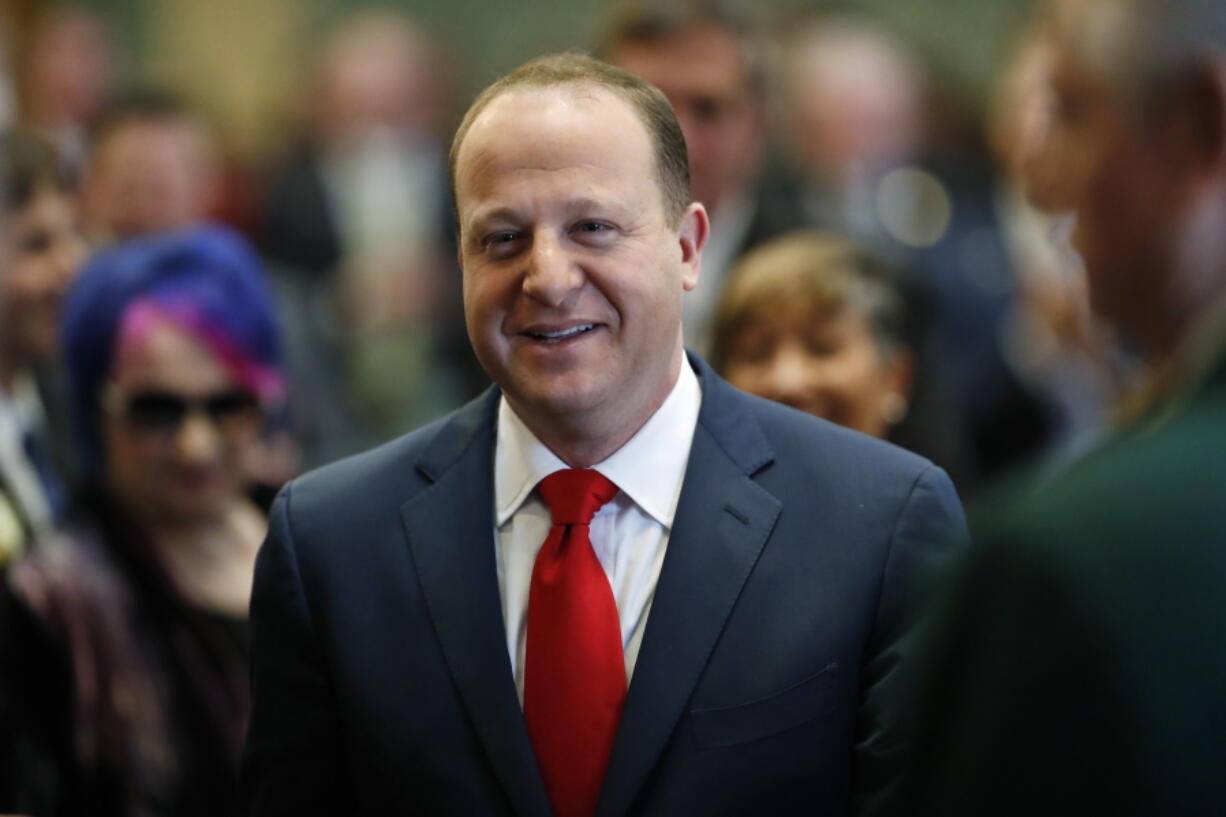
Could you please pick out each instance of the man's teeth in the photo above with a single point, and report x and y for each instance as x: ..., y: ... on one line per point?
x: 565, y: 333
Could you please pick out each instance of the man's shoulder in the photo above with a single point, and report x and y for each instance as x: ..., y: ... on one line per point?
x: 1129, y: 537
x: 831, y: 475
x: 397, y: 469
x: 806, y: 443
x: 1126, y: 499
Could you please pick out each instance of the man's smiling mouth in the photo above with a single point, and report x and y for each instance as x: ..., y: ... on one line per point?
x: 562, y: 334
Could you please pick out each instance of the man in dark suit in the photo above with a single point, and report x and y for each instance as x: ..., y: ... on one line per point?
x: 1078, y: 664
x: 40, y: 250
x: 707, y: 637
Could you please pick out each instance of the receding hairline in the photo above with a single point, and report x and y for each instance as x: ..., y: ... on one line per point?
x: 571, y: 87
x: 575, y: 87
x: 571, y: 90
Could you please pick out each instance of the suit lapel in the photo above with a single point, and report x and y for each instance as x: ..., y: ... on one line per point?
x: 722, y: 523
x: 450, y: 528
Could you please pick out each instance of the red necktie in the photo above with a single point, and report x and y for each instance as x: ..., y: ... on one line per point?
x: 574, y: 671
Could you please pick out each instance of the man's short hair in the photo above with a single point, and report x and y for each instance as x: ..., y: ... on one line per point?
x: 558, y: 70
x: 28, y: 165
x: 139, y: 106
x: 649, y: 22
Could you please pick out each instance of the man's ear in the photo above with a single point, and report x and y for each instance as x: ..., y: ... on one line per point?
x: 692, y: 237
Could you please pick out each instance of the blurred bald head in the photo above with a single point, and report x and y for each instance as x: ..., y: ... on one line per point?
x: 853, y: 98
x: 378, y: 70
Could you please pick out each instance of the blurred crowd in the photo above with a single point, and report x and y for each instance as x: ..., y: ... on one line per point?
x: 177, y: 339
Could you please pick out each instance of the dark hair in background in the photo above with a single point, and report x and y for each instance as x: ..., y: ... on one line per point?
x: 817, y: 274
x: 27, y: 166
x: 647, y: 22
x: 208, y: 276
x: 139, y: 105
x: 672, y: 162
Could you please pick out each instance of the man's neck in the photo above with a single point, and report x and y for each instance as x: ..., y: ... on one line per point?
x: 586, y: 438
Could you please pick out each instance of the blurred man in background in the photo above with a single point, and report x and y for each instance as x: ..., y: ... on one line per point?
x: 357, y: 220
x: 1052, y: 339
x: 68, y: 67
x: 854, y: 110
x: 40, y: 250
x: 709, y: 60
x: 153, y: 165
x: 1079, y: 659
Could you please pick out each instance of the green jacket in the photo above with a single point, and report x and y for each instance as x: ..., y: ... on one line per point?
x: 1077, y: 660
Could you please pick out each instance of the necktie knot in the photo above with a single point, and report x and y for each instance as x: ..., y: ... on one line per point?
x: 574, y: 494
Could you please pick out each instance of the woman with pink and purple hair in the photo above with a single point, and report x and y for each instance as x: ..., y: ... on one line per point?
x: 124, y: 669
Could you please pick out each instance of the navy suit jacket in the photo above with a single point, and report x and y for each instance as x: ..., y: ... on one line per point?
x: 381, y: 680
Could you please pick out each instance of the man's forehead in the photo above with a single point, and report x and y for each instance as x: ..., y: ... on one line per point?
x: 534, y: 107
x: 520, y: 121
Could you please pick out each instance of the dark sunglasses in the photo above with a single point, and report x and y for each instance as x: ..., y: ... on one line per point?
x: 155, y: 410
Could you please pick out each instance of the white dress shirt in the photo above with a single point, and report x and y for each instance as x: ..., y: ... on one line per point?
x: 22, y: 411
x: 629, y: 534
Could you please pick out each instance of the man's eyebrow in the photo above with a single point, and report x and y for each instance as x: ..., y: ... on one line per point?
x: 572, y: 205
x: 493, y: 214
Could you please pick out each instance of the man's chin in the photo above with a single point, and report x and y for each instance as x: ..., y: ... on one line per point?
x: 561, y: 399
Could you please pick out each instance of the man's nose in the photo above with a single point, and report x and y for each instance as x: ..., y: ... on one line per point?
x: 552, y: 274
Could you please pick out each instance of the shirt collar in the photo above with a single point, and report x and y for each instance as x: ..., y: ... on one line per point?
x: 20, y: 409
x: 649, y: 468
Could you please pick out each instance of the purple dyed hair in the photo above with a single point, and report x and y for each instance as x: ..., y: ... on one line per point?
x: 205, y: 279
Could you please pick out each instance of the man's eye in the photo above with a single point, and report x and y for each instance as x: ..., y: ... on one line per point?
x: 501, y: 243
x: 593, y: 231
x: 501, y: 237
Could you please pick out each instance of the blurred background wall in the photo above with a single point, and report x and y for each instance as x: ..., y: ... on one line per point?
x: 238, y: 59
x: 321, y: 134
